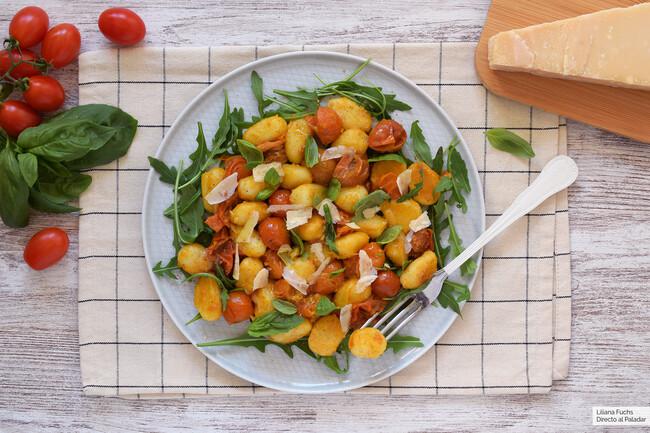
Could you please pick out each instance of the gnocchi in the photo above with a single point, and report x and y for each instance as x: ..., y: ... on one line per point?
x: 326, y: 335
x: 419, y: 271
x: 207, y: 298
x: 297, y: 133
x: 268, y: 129
x: 353, y: 115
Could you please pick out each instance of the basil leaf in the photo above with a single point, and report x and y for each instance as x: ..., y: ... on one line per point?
x: 49, y: 169
x: 65, y: 188
x: 284, y: 307
x: 389, y: 157
x: 419, y: 144
x: 334, y: 189
x: 509, y: 142
x: 246, y: 340
x: 444, y: 184
x: 124, y: 125
x: 28, y: 164
x: 325, y: 306
x: 330, y: 231
x: 272, y: 178
x: 389, y: 235
x: 297, y: 241
x: 251, y: 154
x: 438, y: 161
x: 47, y: 203
x: 257, y: 86
x: 373, y: 199
x: 265, y: 193
x: 401, y: 342
x: 167, y: 174
x: 168, y: 269
x: 273, y: 323
x: 311, y: 152
x: 64, y: 140
x: 191, y: 220
x: 14, y: 192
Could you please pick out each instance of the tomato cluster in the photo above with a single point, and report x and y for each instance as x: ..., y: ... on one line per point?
x: 23, y: 69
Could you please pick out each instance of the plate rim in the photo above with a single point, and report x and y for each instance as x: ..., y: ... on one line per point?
x: 151, y: 177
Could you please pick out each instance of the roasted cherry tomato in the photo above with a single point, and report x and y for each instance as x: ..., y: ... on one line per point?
x: 237, y: 164
x: 422, y: 241
x: 15, y: 116
x: 61, y: 45
x: 44, y: 93
x: 280, y: 196
x: 388, y: 183
x: 122, y: 26
x: 376, y: 254
x: 238, y: 308
x: 273, y: 232
x: 29, y: 26
x: 326, y: 283
x: 46, y: 247
x: 23, y: 69
x: 273, y: 263
x: 386, y: 285
x: 387, y: 136
x: 352, y: 169
x: 321, y: 173
x: 328, y: 125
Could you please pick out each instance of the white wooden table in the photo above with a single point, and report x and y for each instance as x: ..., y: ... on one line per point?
x: 610, y: 223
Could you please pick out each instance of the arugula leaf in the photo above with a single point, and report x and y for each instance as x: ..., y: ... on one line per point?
x: 273, y: 323
x: 196, y: 318
x: 167, y: 174
x: 311, y: 152
x: 444, y: 184
x: 166, y: 270
x: 28, y: 164
x: 337, y: 272
x: 438, y: 161
x: 294, y: 104
x: 284, y: 307
x: 260, y: 343
x: 452, y: 294
x: 334, y: 189
x: 412, y: 193
x: 388, y: 157
x: 226, y: 283
x: 456, y: 244
x: 297, y: 241
x: 458, y: 170
x: 199, y: 157
x: 333, y: 364
x: 389, y: 235
x: 325, y: 306
x: 509, y: 142
x: 257, y: 86
x: 330, y: 231
x: 419, y: 144
x: 401, y: 342
x: 373, y: 199
x: 251, y: 153
x: 14, y: 192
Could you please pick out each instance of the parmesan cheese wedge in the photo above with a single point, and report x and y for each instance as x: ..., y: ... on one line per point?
x: 421, y: 222
x: 247, y: 231
x: 235, y: 269
x: 261, y: 279
x: 335, y: 152
x: 367, y: 272
x: 223, y: 191
x: 403, y: 180
x: 610, y: 47
x: 296, y: 218
x: 345, y: 316
x: 295, y: 280
x: 334, y: 211
x: 260, y: 171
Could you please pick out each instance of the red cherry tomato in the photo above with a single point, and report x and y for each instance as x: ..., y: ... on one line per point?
x: 122, y: 26
x: 16, y: 116
x: 44, y: 93
x: 23, y: 69
x: 61, y: 45
x: 238, y: 308
x: 29, y: 26
x: 46, y: 247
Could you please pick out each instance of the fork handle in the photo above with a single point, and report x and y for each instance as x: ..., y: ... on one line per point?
x: 558, y: 174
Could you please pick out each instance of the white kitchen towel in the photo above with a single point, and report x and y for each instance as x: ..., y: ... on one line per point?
x: 515, y: 332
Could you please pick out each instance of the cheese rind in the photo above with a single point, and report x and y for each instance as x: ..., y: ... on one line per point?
x: 609, y: 47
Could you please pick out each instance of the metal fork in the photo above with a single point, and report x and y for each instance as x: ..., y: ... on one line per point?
x: 557, y: 175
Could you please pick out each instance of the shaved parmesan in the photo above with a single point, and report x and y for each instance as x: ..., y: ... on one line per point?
x: 370, y: 212
x: 353, y: 225
x: 235, y: 269
x: 335, y: 152
x: 407, y: 241
x: 295, y: 280
x: 421, y: 222
x: 334, y: 212
x: 403, y: 181
x: 247, y: 231
x: 367, y: 272
x: 261, y: 279
x: 284, y: 252
x: 260, y: 171
x: 317, y: 251
x: 285, y: 207
x: 223, y: 191
x: 296, y: 218
x: 319, y: 271
x: 345, y: 316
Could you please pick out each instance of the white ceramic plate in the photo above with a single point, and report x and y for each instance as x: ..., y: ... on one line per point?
x: 274, y: 369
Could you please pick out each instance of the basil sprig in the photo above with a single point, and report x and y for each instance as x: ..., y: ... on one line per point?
x: 330, y: 231
x: 373, y: 199
x: 272, y: 180
x: 273, y: 323
x: 311, y: 152
x: 250, y: 152
x: 333, y: 189
x: 284, y: 307
x: 325, y: 306
x: 509, y: 142
x: 389, y: 235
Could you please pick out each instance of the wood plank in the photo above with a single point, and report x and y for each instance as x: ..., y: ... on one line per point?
x: 624, y: 111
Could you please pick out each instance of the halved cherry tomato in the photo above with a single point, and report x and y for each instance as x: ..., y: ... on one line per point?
x: 46, y: 247
x: 238, y: 308
x: 122, y: 26
x: 44, y: 93
x: 387, y: 136
x: 61, y: 45
x: 375, y: 253
x: 352, y: 169
x: 237, y: 164
x: 328, y: 125
x: 280, y: 196
x: 15, y: 116
x: 23, y: 69
x: 29, y: 26
x: 273, y: 232
x: 386, y: 285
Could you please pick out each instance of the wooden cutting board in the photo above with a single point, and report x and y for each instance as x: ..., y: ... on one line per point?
x: 624, y: 111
